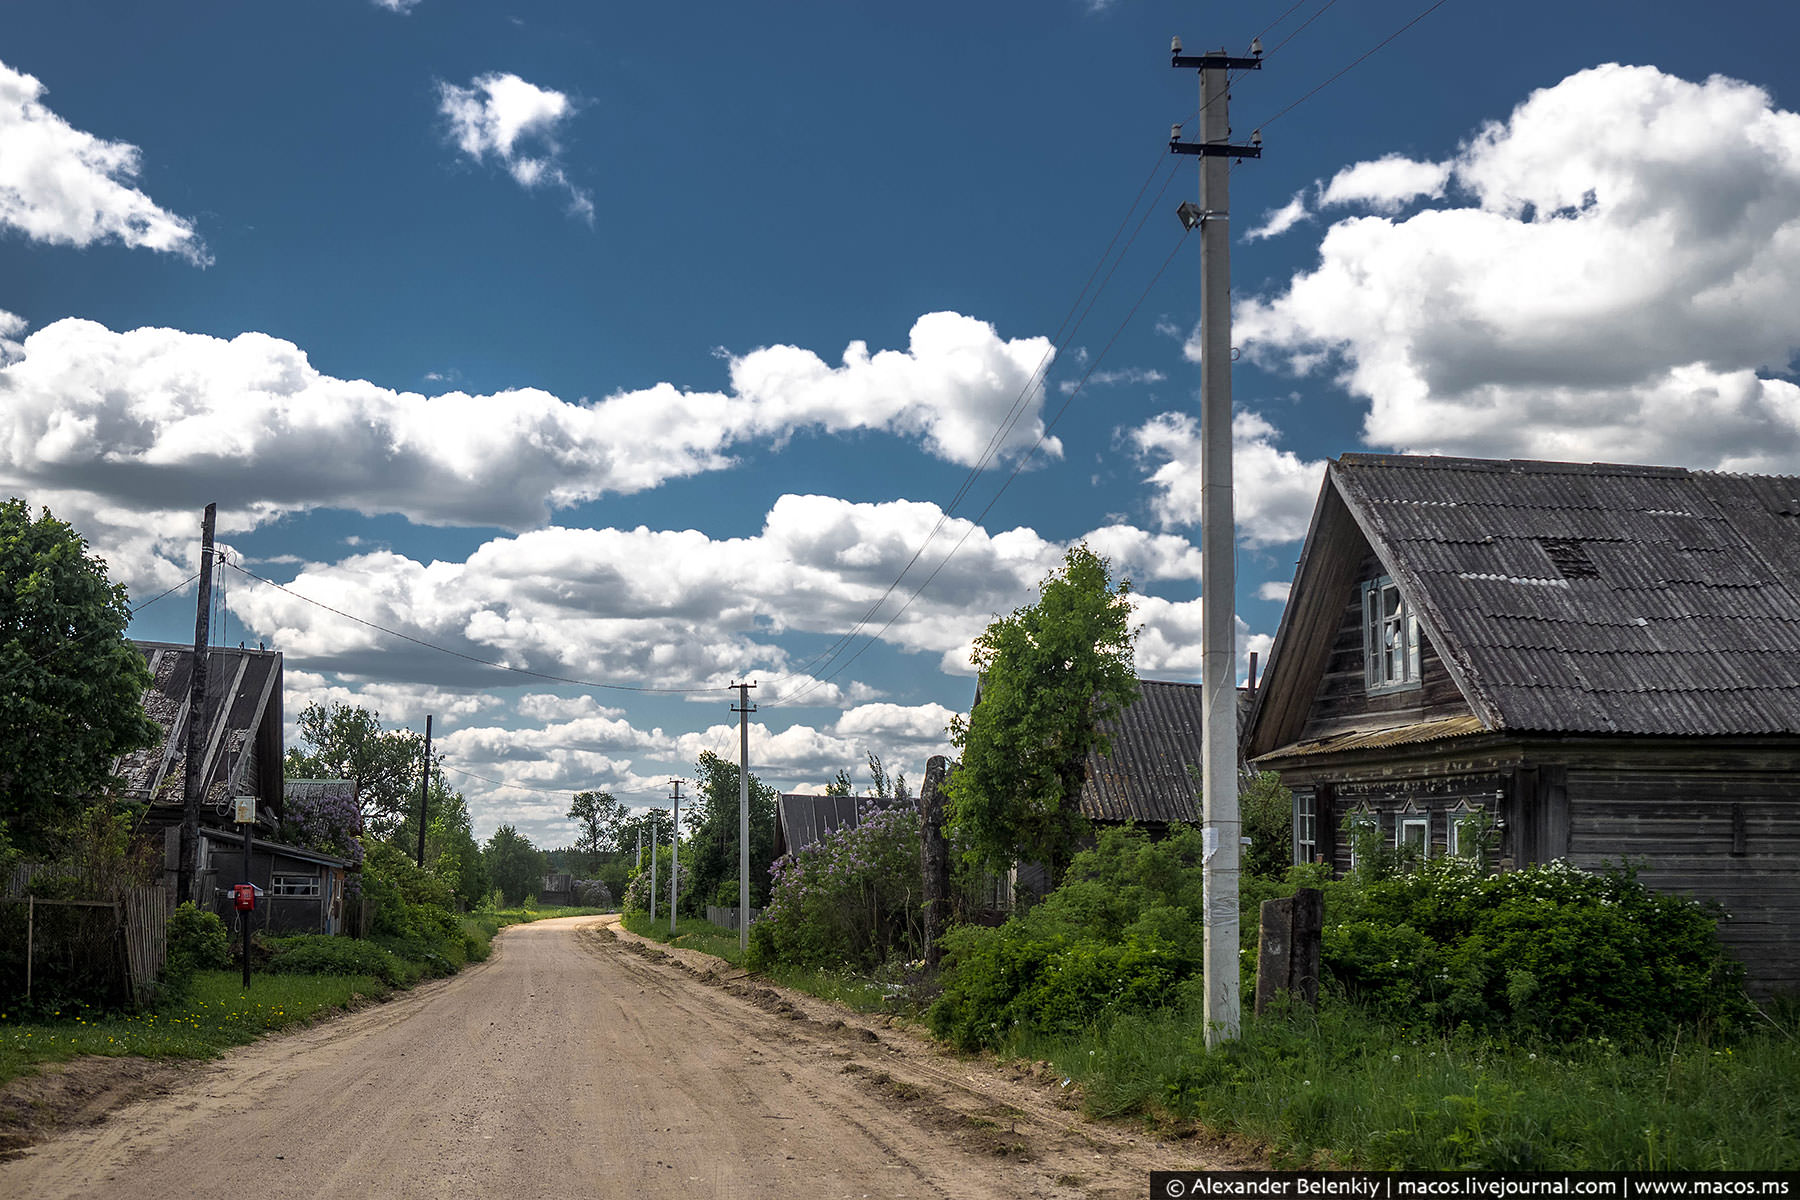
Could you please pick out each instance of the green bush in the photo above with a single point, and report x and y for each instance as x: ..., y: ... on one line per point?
x: 1545, y: 953
x: 319, y: 954
x: 850, y: 899
x: 198, y: 941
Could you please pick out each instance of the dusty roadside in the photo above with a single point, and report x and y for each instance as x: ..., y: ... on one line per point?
x: 580, y: 1061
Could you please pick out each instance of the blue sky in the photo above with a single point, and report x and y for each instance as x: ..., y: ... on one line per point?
x: 644, y: 345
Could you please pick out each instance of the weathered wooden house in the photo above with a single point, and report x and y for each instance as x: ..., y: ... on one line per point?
x: 1603, y: 661
x: 242, y: 756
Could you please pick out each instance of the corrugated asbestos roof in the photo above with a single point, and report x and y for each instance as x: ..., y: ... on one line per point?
x: 1154, y: 742
x: 803, y: 818
x: 1596, y: 598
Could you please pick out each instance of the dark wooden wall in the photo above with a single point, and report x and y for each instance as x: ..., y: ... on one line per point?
x: 1343, y: 700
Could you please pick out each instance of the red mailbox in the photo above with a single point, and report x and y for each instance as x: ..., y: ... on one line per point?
x: 243, y: 896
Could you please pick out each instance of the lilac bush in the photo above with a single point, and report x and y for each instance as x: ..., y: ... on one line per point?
x: 850, y: 899
x: 330, y: 822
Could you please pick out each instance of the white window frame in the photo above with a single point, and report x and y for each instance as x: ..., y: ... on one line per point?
x: 1306, y: 826
x: 1453, y: 834
x: 1390, y: 632
x: 1409, y: 819
x: 1360, y: 818
x: 288, y: 886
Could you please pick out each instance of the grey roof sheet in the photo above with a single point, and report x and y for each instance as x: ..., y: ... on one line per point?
x: 804, y: 818
x: 1154, y: 742
x: 1679, y: 612
x: 239, y: 683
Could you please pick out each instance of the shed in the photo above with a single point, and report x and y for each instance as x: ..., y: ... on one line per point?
x: 1601, y: 660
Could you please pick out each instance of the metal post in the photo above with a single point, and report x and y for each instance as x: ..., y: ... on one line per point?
x: 424, y: 791
x: 1218, y: 609
x: 744, y: 708
x: 193, y: 788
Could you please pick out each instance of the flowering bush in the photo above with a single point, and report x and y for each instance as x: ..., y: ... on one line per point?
x: 850, y: 899
x: 637, y: 892
x: 327, y: 820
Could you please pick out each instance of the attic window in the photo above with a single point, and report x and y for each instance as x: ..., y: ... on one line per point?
x: 1390, y: 638
x: 1568, y: 557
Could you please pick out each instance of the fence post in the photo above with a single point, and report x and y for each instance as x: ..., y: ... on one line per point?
x: 1288, y: 948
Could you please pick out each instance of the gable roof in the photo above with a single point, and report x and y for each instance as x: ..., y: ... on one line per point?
x: 803, y: 818
x: 243, y: 689
x: 1565, y: 597
x: 1154, y: 742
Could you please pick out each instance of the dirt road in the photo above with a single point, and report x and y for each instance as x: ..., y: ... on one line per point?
x: 579, y: 1062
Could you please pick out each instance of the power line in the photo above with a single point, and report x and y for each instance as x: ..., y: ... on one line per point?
x: 1092, y: 366
x: 498, y: 666
x: 1353, y: 65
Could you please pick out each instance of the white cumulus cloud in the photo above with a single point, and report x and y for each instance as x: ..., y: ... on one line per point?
x: 1616, y: 276
x: 1273, y: 489
x: 61, y: 185
x: 500, y: 115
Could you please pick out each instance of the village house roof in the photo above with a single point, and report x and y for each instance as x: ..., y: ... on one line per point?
x: 1569, y: 598
x: 1146, y: 778
x: 803, y: 818
x: 243, y: 734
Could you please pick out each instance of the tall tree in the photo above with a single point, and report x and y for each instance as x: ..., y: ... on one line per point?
x: 348, y: 742
x: 709, y: 854
x: 598, y: 818
x: 514, y: 864
x: 71, y: 685
x: 1050, y: 673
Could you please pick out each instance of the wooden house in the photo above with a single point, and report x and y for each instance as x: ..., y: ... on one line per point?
x: 1602, y: 661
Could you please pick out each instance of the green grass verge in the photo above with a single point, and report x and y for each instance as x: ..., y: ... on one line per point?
x: 856, y: 992
x: 1342, y: 1089
x: 215, y: 1015
x: 691, y: 933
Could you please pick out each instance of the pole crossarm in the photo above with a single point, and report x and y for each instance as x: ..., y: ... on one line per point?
x: 1215, y: 150
x: 1216, y: 58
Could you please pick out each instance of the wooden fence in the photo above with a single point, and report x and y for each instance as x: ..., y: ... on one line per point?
x: 135, y: 937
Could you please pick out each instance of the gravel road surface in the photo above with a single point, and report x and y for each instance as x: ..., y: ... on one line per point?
x: 578, y: 1062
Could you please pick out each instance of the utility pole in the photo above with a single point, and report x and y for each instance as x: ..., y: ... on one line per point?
x: 424, y: 790
x: 675, y: 851
x: 654, y: 813
x: 193, y: 786
x: 1218, y: 609
x: 743, y: 708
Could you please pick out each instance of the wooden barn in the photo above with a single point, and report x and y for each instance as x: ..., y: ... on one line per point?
x: 1602, y: 660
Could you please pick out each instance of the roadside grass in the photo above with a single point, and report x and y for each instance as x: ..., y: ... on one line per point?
x: 214, y: 1015
x: 856, y: 992
x: 1341, y: 1089
x: 691, y: 933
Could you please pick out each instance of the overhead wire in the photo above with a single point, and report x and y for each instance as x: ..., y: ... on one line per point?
x: 498, y: 666
x: 1357, y: 62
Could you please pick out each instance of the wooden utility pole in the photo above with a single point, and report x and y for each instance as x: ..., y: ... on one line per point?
x: 675, y: 854
x: 424, y: 790
x: 743, y: 708
x: 1218, y: 534
x: 934, y: 858
x: 193, y: 786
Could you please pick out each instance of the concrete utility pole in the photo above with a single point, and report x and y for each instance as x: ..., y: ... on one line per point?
x: 1218, y: 609
x: 675, y: 850
x: 657, y: 812
x: 424, y: 790
x: 743, y: 708
x: 187, y: 879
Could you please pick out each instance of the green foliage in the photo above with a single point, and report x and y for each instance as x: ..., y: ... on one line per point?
x: 515, y: 866
x: 1120, y: 934
x: 198, y: 941
x: 71, y: 685
x: 318, y: 954
x: 348, y: 742
x: 1549, y: 951
x: 451, y: 853
x: 599, y: 817
x: 1266, y: 808
x: 413, y: 914
x: 1342, y: 1088
x: 849, y: 899
x: 1050, y: 673
x: 709, y: 853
